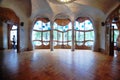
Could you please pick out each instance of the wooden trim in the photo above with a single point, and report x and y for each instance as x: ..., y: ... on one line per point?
x: 82, y: 47
x: 43, y: 47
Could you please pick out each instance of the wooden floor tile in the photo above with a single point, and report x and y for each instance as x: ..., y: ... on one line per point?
x: 60, y: 64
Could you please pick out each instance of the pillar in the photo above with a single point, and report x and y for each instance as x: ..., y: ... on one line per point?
x: 73, y: 38
x: 51, y: 36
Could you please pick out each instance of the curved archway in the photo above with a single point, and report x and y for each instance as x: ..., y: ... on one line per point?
x: 62, y: 33
x: 113, y: 30
x: 9, y: 17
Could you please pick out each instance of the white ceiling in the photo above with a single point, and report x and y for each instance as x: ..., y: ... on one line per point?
x: 53, y: 9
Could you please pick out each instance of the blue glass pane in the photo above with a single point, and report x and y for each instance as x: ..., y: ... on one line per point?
x: 88, y: 25
x: 81, y: 26
x: 38, y: 25
x: 42, y: 26
x: 63, y: 28
x: 76, y: 26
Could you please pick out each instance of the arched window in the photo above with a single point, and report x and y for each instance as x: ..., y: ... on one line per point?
x: 41, y: 34
x: 62, y: 35
x: 84, y: 34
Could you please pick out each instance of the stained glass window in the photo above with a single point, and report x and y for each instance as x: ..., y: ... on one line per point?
x: 62, y: 34
x: 41, y: 33
x: 84, y: 34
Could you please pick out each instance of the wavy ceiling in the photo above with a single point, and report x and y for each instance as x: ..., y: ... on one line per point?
x: 51, y: 8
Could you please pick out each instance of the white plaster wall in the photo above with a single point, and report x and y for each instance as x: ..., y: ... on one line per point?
x: 5, y: 36
x: 102, y: 37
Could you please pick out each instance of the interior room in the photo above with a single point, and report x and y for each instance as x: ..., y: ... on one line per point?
x: 59, y: 39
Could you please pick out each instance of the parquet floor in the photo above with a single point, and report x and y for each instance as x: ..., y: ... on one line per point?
x: 60, y: 64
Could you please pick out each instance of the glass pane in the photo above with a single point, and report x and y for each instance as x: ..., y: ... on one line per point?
x: 76, y: 26
x: 37, y: 43
x: 59, y: 43
x: 65, y: 36
x: 38, y: 25
x: 82, y: 26
x: 70, y: 25
x: 46, y: 36
x: 36, y: 35
x: 89, y: 43
x: 45, y: 43
x: 55, y: 25
x: 59, y: 36
x: 69, y: 35
x: 88, y: 25
x: 89, y: 35
x: 70, y: 43
x: 65, y: 43
x: 55, y: 35
x: 81, y: 38
x: 54, y: 43
x: 79, y: 43
x: 78, y: 36
x: 60, y: 28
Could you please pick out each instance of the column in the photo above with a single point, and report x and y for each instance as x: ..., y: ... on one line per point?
x: 51, y: 36
x: 73, y: 38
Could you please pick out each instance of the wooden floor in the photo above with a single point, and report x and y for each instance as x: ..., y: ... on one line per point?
x: 60, y: 64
